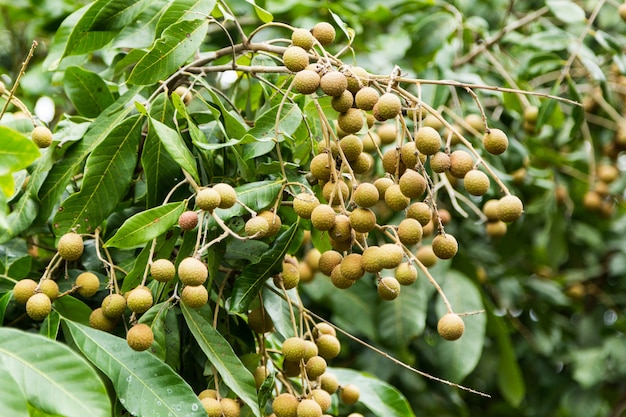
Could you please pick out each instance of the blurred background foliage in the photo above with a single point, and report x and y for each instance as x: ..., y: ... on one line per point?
x: 553, y: 287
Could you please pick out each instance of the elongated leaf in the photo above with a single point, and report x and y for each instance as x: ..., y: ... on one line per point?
x: 146, y: 225
x: 4, y: 302
x: 72, y: 309
x: 53, y: 377
x: 177, y: 44
x: 175, y: 146
x: 460, y: 357
x: 184, y: 10
x: 263, y: 14
x: 144, y: 384
x: 142, y: 32
x: 404, y: 318
x: 232, y: 372
x: 62, y: 34
x: 510, y: 380
x: 100, y: 23
x: 248, y: 284
x: 13, y: 402
x: 87, y: 91
x: 61, y: 173
x: 381, y: 398
x: 108, y: 173
x: 16, y: 152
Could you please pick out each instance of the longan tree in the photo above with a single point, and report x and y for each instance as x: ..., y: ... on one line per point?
x: 235, y: 216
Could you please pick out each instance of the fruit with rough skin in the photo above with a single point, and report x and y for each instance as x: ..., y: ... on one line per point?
x: 357, y: 79
x: 333, y: 83
x: 350, y: 121
x: 366, y: 98
x: 228, y: 195
x: 212, y: 407
x: 324, y: 33
x: 139, y: 300
x: 230, y: 407
x: 162, y: 270
x: 273, y: 221
x: 338, y: 190
x: 312, y: 258
x: 291, y: 369
x: 390, y: 255
x: 420, y: 211
x: 371, y: 259
x: 461, y: 162
x: 342, y: 102
x: 366, y: 195
x: 476, y: 182
x: 328, y: 346
x: 406, y: 273
x: 440, y: 162
x: 285, y: 405
x: 410, y: 231
x: 88, y: 284
x: 387, y: 107
x: 362, y: 220
x: 113, y: 306
x: 510, y: 208
x: 349, y: 394
x: 450, y: 326
x: 50, y: 288
x: 490, y: 210
x: 306, y: 82
x: 41, y: 136
x: 302, y: 38
x: 315, y: 367
x: 188, y: 220
x: 207, y: 393
x: 295, y: 58
x: 309, y: 408
x: 260, y: 321
x: 311, y: 350
x: 194, y: 296
x: 98, y: 320
x: 392, y: 162
x: 426, y: 256
x: 192, y: 271
x: 323, y: 328
x: 382, y: 185
x: 388, y: 288
x: 409, y: 154
x: 257, y: 227
x: 259, y: 374
x: 395, y: 198
x: 495, y: 141
x: 387, y: 133
x: 371, y: 141
x: 208, y: 199
x: 290, y: 275
x: 24, y: 289
x: 445, y: 246
x: 496, y: 228
x: 70, y: 246
x: 322, y: 398
x: 338, y: 280
x: 328, y: 261
x: 362, y: 164
x: 294, y: 349
x: 323, y: 217
x: 352, y: 266
x: 184, y: 93
x: 304, y: 203
x: 329, y: 383
x: 320, y: 167
x: 140, y: 337
x: 428, y: 140
x: 38, y: 306
x: 412, y: 184
x: 351, y: 146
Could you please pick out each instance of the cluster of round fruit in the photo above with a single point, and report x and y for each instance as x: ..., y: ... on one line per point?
x: 304, y: 357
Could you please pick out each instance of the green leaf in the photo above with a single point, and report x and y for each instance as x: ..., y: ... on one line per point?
x: 53, y: 378
x: 108, y: 172
x: 142, y: 32
x: 87, y: 91
x: 178, y: 10
x: 146, y: 225
x: 144, y: 385
x: 404, y: 318
x: 100, y: 23
x: 256, y: 195
x: 175, y: 146
x: 232, y: 372
x: 458, y: 358
x: 566, y: 11
x: 4, y: 302
x: 62, y: 34
x: 73, y: 309
x: 59, y: 176
x: 263, y: 14
x: 510, y: 380
x: 248, y: 284
x: 381, y: 398
x: 177, y: 44
x: 17, y: 152
x: 13, y: 402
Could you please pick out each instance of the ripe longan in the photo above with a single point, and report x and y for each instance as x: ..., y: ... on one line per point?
x: 99, y: 321
x: 426, y: 256
x: 476, y: 182
x: 328, y: 261
x: 41, y: 136
x: 302, y: 38
x: 309, y: 408
x: 304, y: 203
x: 139, y: 300
x: 351, y: 146
x: 140, y: 337
x: 257, y: 226
x: 440, y: 162
x: 350, y: 121
x: 366, y: 98
x: 333, y: 83
x: 163, y: 270
x: 38, y: 306
x: 420, y: 211
x: 510, y: 208
x: 445, y: 246
x: 388, y: 106
x: 295, y: 58
x: 362, y: 220
x: 495, y: 141
x: 260, y: 321
x: 285, y: 405
x: 412, y: 184
x: 395, y: 198
x: 371, y: 259
x: 320, y: 167
x: 349, y: 394
x: 50, y: 288
x: 366, y: 195
x: 450, y: 326
x: 188, y: 220
x: 306, y: 82
x: 410, y: 231
x: 342, y: 102
x: 338, y: 280
x: 228, y: 195
x: 388, y: 288
x: 328, y: 346
x: 461, y: 162
x: 293, y: 349
x: 208, y: 199
x: 390, y: 255
x: 428, y: 140
x: 406, y: 273
x: 113, y: 306
x: 24, y: 289
x: 323, y: 217
x: 194, y: 296
x: 70, y: 246
x: 192, y: 271
x: 324, y: 33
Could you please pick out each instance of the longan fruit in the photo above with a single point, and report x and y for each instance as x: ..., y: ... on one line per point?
x: 450, y: 326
